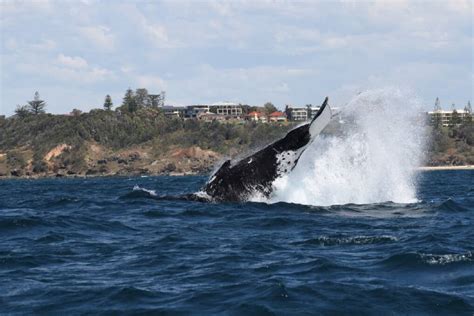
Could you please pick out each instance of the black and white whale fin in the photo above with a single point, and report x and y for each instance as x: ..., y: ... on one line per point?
x: 321, y: 119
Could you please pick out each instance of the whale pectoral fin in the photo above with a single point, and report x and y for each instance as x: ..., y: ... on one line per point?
x: 321, y: 119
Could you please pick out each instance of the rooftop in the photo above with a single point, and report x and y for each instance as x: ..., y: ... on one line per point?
x: 277, y: 114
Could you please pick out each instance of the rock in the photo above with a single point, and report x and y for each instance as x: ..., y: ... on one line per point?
x: 15, y: 173
x: 103, y: 169
x: 91, y: 172
x: 143, y: 171
x: 169, y: 167
x: 134, y: 156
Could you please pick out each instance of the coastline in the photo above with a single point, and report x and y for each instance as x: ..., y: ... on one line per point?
x: 180, y: 174
x: 432, y: 168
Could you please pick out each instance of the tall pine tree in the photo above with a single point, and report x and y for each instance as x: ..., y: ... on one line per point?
x: 36, y: 106
x: 437, y: 106
x: 108, y: 103
x: 468, y: 107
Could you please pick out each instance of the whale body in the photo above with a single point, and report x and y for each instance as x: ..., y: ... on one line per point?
x: 252, y: 176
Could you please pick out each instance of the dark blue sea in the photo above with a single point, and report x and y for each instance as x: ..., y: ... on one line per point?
x: 97, y: 246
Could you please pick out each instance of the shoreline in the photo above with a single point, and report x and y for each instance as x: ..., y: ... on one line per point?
x: 181, y: 174
x: 432, y: 168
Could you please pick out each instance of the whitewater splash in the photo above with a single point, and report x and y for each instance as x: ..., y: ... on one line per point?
x: 374, y: 157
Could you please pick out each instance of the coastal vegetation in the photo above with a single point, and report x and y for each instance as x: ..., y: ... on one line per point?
x: 452, y: 145
x: 137, y: 137
x: 105, y: 141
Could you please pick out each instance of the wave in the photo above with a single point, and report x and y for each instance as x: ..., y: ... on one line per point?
x: 450, y: 206
x: 408, y: 260
x: 139, y: 192
x: 7, y: 223
x: 433, y: 259
x: 341, y: 240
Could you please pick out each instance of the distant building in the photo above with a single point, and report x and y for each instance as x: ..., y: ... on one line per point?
x: 277, y: 117
x: 298, y: 114
x: 209, y: 116
x: 257, y: 117
x: 228, y: 109
x: 173, y: 111
x: 305, y: 113
x: 445, y: 118
x: 193, y: 111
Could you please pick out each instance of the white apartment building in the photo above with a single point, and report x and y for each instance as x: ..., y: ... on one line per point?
x: 229, y: 109
x: 445, y: 117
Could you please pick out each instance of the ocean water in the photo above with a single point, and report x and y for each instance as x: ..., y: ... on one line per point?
x: 111, y: 245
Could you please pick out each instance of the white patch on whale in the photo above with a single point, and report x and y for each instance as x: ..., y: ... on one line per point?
x: 286, y: 161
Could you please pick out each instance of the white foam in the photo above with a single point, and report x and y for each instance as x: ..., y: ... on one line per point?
x: 138, y: 188
x: 374, y: 160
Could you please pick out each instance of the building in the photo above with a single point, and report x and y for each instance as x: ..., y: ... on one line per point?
x: 445, y: 118
x: 209, y: 117
x: 193, y: 111
x: 228, y: 109
x: 174, y: 111
x: 277, y: 117
x: 256, y: 117
x: 305, y: 113
x: 298, y: 114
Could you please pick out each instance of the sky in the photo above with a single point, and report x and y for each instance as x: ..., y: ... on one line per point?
x: 286, y: 52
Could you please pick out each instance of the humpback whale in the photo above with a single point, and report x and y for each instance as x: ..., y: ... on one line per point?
x: 253, y: 175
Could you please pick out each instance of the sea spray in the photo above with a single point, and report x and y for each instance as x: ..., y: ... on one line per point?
x: 372, y: 159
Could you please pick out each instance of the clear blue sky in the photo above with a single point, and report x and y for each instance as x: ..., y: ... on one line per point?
x: 296, y: 52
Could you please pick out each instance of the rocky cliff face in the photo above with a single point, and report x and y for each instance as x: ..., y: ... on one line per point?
x: 97, y: 160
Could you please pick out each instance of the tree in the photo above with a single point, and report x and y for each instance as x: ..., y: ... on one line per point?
x: 76, y: 112
x: 36, y: 106
x: 455, y: 119
x: 129, y: 102
x: 468, y: 114
x: 108, y: 103
x: 437, y: 106
x: 154, y: 100
x: 141, y: 98
x: 468, y: 107
x: 162, y: 98
x: 269, y: 108
x: 309, y: 111
x: 288, y: 112
x: 22, y: 111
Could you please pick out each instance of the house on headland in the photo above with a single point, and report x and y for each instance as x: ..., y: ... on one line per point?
x: 278, y: 117
x: 255, y: 116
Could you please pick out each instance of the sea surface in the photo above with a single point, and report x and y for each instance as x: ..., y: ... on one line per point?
x: 112, y: 246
